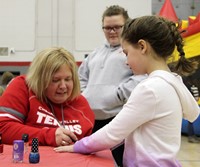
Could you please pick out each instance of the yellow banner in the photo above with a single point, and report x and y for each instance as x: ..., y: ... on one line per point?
x: 191, y: 48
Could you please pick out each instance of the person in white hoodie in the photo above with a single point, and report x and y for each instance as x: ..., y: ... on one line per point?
x: 150, y: 121
x: 106, y: 80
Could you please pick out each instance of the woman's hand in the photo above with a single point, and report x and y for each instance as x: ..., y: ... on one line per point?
x: 60, y: 149
x: 64, y: 137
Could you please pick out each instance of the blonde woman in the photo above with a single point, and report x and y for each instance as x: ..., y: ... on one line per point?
x: 46, y: 103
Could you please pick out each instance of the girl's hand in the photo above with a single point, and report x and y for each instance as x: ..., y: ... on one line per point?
x: 60, y: 149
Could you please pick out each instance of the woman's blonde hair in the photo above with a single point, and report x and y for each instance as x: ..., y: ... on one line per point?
x: 44, y: 65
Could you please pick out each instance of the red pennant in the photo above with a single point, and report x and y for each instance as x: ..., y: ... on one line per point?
x: 168, y: 11
x: 197, y: 19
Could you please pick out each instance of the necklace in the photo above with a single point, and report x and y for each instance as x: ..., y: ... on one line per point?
x: 62, y: 112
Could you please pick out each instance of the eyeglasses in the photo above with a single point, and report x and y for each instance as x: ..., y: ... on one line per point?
x: 109, y: 29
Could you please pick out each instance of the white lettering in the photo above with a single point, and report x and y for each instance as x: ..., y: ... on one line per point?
x: 55, y: 122
x: 42, y: 109
x: 71, y: 128
x: 66, y: 127
x: 49, y: 120
x: 40, y: 117
x: 74, y: 128
x: 46, y: 119
x: 77, y: 129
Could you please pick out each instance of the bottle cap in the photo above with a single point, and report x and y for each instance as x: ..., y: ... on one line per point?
x: 35, y: 145
x: 25, y: 137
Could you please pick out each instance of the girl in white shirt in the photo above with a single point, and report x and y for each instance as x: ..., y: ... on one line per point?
x: 150, y: 122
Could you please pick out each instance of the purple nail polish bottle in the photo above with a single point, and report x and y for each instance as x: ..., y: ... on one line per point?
x: 18, y: 151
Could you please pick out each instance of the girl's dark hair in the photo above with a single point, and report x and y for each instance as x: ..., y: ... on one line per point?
x: 163, y: 35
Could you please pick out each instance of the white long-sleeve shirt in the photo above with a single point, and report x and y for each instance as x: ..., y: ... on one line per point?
x: 150, y: 122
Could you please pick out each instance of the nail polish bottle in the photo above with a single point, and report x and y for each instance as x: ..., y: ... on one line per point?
x: 34, y: 156
x: 1, y: 145
x: 18, y: 151
x: 26, y: 144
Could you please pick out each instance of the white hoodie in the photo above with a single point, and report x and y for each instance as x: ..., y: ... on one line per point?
x: 150, y: 122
